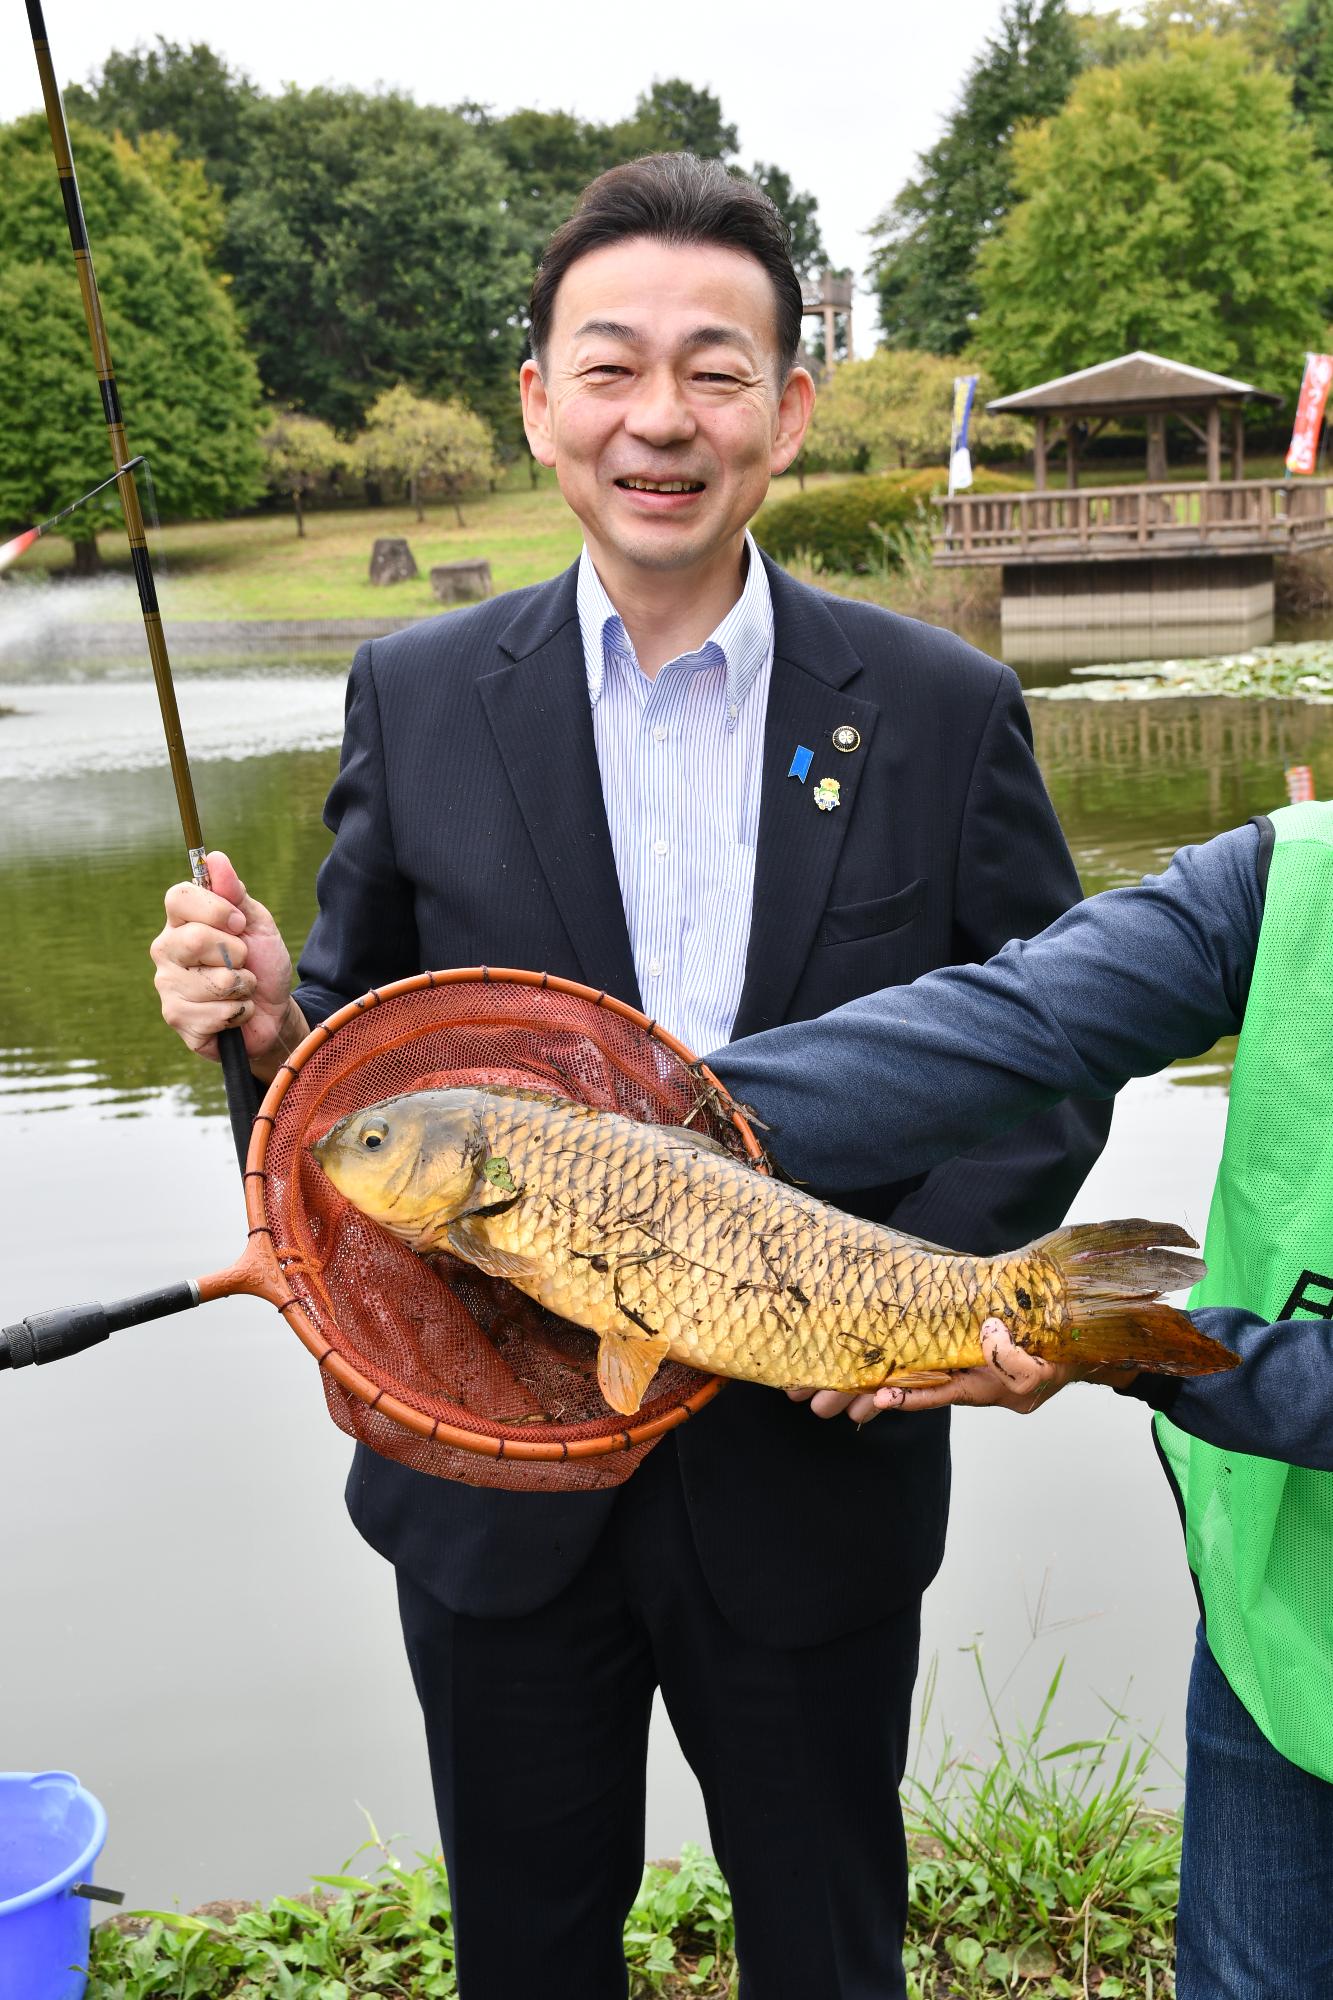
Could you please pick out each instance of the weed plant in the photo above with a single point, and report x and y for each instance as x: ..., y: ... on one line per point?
x: 1040, y: 1871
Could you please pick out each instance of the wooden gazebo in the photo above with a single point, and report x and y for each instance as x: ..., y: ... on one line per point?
x: 1151, y: 561
x: 1137, y: 385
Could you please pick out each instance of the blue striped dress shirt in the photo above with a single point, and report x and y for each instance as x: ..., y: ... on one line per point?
x: 680, y: 760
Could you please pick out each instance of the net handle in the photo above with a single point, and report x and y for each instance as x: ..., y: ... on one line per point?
x: 256, y: 1269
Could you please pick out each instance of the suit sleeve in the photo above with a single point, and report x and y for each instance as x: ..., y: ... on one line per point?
x: 365, y: 933
x: 1118, y: 987
x: 1279, y: 1404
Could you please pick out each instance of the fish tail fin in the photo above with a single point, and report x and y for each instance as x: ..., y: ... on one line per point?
x: 1112, y: 1273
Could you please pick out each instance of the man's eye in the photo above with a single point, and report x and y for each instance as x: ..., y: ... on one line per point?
x: 606, y: 368
x: 715, y: 377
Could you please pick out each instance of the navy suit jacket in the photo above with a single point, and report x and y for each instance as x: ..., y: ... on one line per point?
x: 470, y: 829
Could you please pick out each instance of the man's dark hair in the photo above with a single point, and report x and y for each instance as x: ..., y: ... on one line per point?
x: 678, y: 199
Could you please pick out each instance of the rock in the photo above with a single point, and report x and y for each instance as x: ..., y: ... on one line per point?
x: 392, y: 561
x: 462, y: 582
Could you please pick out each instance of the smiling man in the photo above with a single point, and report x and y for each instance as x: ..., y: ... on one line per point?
x: 676, y: 774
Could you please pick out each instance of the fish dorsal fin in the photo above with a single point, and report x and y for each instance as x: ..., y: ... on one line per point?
x: 469, y: 1241
x: 626, y: 1365
x: 552, y: 1098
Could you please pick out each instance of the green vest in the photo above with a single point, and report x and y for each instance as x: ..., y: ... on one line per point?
x: 1258, y: 1534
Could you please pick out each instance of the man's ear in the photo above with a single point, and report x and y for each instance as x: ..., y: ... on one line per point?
x: 795, y: 406
x: 536, y: 413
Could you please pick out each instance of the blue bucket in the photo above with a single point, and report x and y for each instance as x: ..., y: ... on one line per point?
x: 51, y: 1833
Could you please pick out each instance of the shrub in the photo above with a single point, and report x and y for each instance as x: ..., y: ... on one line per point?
x: 860, y: 524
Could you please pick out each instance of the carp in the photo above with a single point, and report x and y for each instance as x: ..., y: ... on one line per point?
x: 661, y: 1243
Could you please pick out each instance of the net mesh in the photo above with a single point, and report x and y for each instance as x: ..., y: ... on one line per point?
x: 482, y: 1376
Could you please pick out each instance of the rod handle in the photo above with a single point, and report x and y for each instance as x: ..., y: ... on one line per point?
x: 242, y: 1091
x: 50, y: 1336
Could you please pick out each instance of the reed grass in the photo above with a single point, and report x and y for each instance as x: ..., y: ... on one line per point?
x: 1041, y: 1868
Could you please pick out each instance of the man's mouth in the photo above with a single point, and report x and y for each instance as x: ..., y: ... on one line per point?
x: 661, y: 485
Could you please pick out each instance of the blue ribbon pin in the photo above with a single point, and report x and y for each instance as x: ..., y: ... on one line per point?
x: 801, y: 762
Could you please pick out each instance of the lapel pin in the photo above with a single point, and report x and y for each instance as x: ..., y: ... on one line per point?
x: 828, y: 793
x: 801, y: 762
x: 847, y: 738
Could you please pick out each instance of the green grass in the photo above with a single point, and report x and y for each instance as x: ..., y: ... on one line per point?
x: 1042, y: 1871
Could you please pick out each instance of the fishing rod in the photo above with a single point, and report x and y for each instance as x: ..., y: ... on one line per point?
x: 240, y: 1086
x: 18, y: 545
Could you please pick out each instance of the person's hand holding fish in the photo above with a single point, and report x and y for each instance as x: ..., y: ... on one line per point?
x: 221, y: 963
x: 663, y: 1244
x: 1009, y: 1379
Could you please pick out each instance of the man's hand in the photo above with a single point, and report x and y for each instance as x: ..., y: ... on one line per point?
x: 1011, y: 1379
x: 221, y: 963
x: 832, y: 1402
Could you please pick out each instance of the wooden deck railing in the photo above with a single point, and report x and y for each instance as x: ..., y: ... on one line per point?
x: 1113, y: 523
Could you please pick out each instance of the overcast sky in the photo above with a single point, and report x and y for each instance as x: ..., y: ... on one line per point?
x: 843, y: 97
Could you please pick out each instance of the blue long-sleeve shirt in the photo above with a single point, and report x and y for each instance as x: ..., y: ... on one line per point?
x: 1123, y: 984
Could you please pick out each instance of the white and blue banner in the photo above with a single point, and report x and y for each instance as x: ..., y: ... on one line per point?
x: 960, y: 458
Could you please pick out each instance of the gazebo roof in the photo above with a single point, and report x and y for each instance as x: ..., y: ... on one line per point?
x: 1135, y: 382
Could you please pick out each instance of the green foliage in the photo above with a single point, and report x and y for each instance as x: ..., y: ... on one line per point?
x: 370, y: 243
x: 896, y: 408
x: 1116, y: 36
x: 425, y: 444
x: 198, y: 206
x: 859, y: 524
x: 924, y: 265
x: 799, y: 212
x: 301, y: 454
x: 1308, y: 57
x: 187, y: 385
x: 171, y: 88
x: 674, y: 116
x: 1175, y: 204
x: 1042, y: 1866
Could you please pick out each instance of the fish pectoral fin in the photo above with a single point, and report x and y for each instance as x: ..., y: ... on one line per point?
x: 626, y: 1365
x: 463, y: 1237
x: 918, y: 1378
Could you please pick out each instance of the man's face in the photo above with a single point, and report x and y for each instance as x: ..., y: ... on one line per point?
x: 660, y: 404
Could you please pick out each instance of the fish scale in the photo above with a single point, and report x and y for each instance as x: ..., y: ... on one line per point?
x: 662, y: 1244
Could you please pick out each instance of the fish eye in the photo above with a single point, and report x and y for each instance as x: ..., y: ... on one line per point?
x: 374, y: 1134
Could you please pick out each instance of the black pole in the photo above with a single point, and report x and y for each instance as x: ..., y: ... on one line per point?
x: 242, y: 1098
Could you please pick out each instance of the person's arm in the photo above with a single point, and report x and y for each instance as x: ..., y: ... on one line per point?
x: 1277, y: 1404
x: 1121, y: 985
x: 365, y: 933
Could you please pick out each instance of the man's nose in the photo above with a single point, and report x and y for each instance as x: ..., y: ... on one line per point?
x: 659, y: 412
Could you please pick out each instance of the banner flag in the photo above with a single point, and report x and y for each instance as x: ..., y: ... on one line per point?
x: 1304, y: 448
x: 960, y: 458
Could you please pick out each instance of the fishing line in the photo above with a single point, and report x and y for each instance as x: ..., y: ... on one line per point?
x: 11, y: 551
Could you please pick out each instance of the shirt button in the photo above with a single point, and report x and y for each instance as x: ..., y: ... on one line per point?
x: 660, y: 849
x: 660, y: 733
x: 654, y: 968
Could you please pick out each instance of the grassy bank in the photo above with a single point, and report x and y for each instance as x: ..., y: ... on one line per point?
x: 1041, y: 1871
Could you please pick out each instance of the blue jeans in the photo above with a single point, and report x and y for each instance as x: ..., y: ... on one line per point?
x: 1256, y: 1879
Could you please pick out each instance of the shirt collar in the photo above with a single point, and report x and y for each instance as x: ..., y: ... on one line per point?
x: 743, y: 639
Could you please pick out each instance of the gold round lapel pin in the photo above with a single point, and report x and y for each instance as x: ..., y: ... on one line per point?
x: 846, y: 738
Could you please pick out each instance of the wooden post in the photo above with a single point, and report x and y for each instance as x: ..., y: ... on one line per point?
x: 1039, y: 453
x: 830, y: 337
x: 1214, y: 443
x: 1071, y: 454
x: 1238, y: 443
x: 1156, y: 448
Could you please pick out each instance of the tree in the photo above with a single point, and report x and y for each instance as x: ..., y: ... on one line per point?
x: 198, y: 205
x: 171, y: 88
x: 924, y: 268
x: 1111, y: 37
x: 674, y: 116
x: 799, y: 212
x: 895, y: 409
x: 300, y: 454
x: 1174, y: 204
x: 1309, y: 58
x: 370, y: 242
x: 188, y: 387
x: 427, y: 444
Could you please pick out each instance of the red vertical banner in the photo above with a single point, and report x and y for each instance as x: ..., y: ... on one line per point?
x: 1304, y: 447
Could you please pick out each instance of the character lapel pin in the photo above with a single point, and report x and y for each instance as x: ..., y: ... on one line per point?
x: 828, y: 793
x: 800, y: 763
x: 847, y: 738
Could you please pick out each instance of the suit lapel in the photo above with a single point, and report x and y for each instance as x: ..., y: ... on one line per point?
x: 799, y: 845
x: 538, y: 709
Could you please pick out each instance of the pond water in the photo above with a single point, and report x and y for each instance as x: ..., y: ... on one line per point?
x: 191, y: 1623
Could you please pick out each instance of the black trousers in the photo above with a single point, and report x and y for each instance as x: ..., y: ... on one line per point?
x: 537, y: 1728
